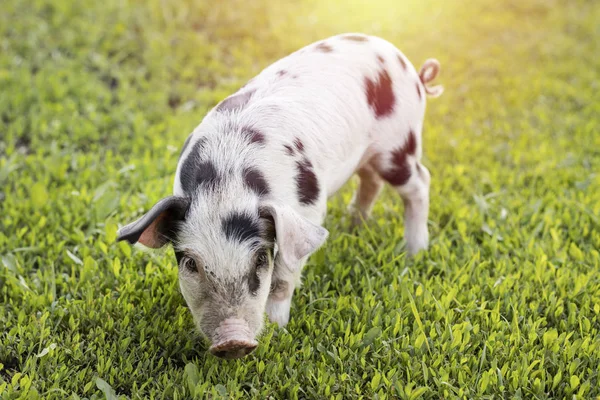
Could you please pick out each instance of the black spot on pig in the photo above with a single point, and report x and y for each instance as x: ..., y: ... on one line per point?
x: 236, y: 102
x: 256, y: 181
x: 206, y: 176
x: 307, y: 185
x: 324, y: 47
x: 400, y: 171
x: 380, y: 94
x: 299, y: 145
x: 253, y: 282
x: 402, y: 62
x: 419, y: 90
x: 240, y: 227
x: 411, y: 143
x: 281, y: 72
x: 254, y: 135
x: 380, y: 59
x: 261, y: 263
x: 196, y: 171
x: 289, y: 149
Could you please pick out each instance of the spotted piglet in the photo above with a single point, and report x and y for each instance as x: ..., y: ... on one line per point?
x: 253, y: 179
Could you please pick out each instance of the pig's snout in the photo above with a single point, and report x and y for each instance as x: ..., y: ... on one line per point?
x: 233, y: 349
x: 233, y: 339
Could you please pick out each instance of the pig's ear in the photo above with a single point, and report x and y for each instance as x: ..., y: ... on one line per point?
x: 295, y: 235
x: 157, y: 227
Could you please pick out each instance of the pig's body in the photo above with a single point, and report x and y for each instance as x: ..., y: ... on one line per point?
x: 284, y: 143
x: 318, y: 97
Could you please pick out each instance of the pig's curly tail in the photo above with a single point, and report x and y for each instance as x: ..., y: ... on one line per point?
x: 428, y: 72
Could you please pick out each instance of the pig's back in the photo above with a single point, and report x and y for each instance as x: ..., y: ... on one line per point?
x: 309, y: 120
x: 340, y: 96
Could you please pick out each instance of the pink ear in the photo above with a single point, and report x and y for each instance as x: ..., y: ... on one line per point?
x: 157, y: 227
x: 152, y: 237
x: 297, y: 237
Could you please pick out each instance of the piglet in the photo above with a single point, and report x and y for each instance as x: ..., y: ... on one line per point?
x: 253, y: 179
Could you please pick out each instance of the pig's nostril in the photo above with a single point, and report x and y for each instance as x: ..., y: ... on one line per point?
x: 233, y: 349
x: 221, y: 354
x: 246, y: 350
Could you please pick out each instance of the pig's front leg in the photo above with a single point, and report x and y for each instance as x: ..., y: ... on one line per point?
x: 280, y: 297
x: 279, y: 302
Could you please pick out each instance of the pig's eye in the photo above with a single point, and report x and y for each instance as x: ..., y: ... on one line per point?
x: 262, y: 260
x: 189, y: 264
x: 253, y: 282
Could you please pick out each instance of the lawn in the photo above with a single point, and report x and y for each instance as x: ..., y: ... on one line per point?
x: 96, y: 100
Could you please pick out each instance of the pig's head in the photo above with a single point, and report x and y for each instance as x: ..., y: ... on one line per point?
x: 227, y: 241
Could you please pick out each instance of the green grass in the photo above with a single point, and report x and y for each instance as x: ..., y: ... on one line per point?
x: 96, y: 99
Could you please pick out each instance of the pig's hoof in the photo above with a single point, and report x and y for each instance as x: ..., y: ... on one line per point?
x: 358, y: 218
x: 357, y: 221
x: 279, y: 311
x: 417, y: 241
x: 415, y: 249
x: 416, y: 246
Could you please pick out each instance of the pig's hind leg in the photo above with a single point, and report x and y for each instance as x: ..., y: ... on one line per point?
x: 400, y: 167
x: 415, y: 196
x: 369, y: 187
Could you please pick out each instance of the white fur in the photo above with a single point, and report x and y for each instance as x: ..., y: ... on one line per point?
x: 279, y: 311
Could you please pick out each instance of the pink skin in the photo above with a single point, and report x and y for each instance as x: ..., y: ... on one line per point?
x: 233, y: 339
